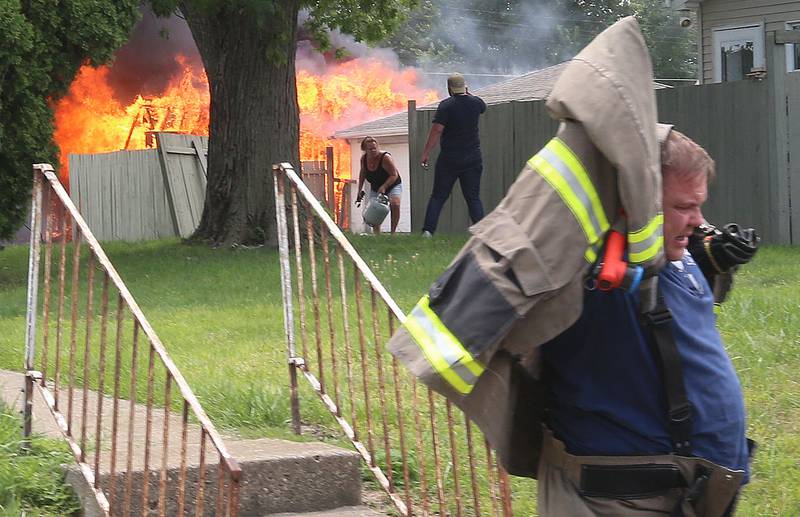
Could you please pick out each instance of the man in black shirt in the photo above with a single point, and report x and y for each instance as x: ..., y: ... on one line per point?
x: 456, y: 125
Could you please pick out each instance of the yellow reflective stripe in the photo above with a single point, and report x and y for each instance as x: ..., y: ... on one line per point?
x: 574, y: 163
x: 563, y: 170
x: 471, y: 363
x: 434, y: 358
x: 645, y: 243
x: 648, y: 254
x: 559, y: 184
x: 443, y: 351
x: 648, y: 230
x: 590, y: 255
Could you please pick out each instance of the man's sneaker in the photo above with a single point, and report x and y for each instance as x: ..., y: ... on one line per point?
x: 426, y: 234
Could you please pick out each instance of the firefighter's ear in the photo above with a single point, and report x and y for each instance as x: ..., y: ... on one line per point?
x: 662, y: 132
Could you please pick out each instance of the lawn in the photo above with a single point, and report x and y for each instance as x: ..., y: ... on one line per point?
x: 219, y: 314
x: 32, y: 482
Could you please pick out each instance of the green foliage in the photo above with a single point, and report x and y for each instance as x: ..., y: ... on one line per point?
x: 32, y: 481
x: 365, y: 21
x: 418, y: 42
x: 672, y: 48
x: 43, y: 43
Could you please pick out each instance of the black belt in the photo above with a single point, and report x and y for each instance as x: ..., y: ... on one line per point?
x: 642, y: 481
x: 629, y: 481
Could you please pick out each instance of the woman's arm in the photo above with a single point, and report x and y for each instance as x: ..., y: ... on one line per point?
x: 361, y: 175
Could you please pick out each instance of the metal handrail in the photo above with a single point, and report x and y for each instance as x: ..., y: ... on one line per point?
x: 45, y: 175
x: 337, y: 234
x: 370, y: 377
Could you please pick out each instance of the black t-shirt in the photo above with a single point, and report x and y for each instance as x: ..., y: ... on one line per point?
x: 459, y: 115
x: 379, y: 176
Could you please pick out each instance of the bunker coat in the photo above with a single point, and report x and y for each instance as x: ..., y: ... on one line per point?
x: 518, y: 282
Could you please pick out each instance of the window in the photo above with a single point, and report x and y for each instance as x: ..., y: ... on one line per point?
x: 737, y: 52
x: 792, y: 50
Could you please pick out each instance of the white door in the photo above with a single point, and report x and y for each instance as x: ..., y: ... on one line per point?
x: 737, y: 51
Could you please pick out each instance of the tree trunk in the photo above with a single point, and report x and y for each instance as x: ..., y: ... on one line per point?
x: 254, y: 116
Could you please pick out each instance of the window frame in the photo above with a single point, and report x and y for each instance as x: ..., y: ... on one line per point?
x: 790, y: 47
x: 759, y: 47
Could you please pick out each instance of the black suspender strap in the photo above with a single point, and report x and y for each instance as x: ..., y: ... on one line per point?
x: 659, y: 321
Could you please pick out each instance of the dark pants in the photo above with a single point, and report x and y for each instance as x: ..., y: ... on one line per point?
x: 444, y: 178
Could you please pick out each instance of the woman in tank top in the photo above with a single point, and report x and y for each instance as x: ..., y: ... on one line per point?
x: 379, y: 170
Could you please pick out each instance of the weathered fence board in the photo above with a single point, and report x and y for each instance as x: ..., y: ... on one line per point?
x: 121, y: 194
x: 183, y: 164
x: 510, y: 134
x: 154, y: 193
x: 731, y: 120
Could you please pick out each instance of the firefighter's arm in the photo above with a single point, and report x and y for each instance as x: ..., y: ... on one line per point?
x: 433, y: 138
x: 719, y: 252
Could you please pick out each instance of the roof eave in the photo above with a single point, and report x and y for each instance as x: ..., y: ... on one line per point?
x: 389, y: 131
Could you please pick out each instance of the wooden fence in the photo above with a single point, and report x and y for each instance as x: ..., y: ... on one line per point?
x: 121, y: 195
x: 737, y: 122
x: 141, y: 195
x: 158, y: 193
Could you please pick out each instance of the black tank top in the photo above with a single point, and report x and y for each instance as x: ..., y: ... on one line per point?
x: 379, y: 176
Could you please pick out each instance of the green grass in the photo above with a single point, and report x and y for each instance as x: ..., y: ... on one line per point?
x: 32, y: 481
x: 219, y: 313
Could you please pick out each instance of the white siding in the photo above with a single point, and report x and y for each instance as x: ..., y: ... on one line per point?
x: 732, y: 13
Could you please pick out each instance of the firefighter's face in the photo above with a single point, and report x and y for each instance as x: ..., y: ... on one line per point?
x: 684, y: 194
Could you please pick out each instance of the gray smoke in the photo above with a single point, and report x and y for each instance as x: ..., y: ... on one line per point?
x: 489, y: 48
x: 148, y: 61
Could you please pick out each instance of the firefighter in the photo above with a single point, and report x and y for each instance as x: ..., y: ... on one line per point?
x: 476, y: 337
x: 633, y: 427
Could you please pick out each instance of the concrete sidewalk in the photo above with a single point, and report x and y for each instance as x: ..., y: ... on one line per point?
x: 278, y: 476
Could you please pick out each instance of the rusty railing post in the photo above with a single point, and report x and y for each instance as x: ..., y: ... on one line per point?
x: 32, y: 302
x: 286, y: 281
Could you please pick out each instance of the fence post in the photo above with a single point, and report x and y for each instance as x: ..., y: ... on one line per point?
x: 286, y: 291
x: 32, y: 303
x: 330, y: 189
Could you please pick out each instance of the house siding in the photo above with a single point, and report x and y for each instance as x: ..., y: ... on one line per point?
x: 733, y: 13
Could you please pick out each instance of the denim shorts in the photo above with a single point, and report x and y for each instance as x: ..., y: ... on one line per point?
x: 396, y: 191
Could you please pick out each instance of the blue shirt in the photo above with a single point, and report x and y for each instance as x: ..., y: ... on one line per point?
x: 606, y: 393
x: 459, y: 115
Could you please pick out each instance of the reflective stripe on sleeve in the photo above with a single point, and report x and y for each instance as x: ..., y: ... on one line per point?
x: 645, y: 243
x: 563, y: 170
x: 443, y: 351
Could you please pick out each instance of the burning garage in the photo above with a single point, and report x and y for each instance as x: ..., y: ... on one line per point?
x: 110, y: 125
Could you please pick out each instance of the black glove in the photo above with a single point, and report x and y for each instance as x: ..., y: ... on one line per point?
x: 359, y: 197
x: 721, y: 250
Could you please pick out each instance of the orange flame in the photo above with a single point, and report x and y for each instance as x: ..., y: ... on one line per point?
x: 89, y: 119
x: 348, y: 94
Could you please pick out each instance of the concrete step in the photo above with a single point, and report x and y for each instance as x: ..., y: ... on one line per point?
x: 278, y: 476
x: 350, y: 511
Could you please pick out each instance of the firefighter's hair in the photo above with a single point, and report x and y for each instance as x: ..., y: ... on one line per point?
x: 682, y: 156
x: 368, y: 140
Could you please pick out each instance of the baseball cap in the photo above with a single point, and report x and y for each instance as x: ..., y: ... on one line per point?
x: 456, y: 83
